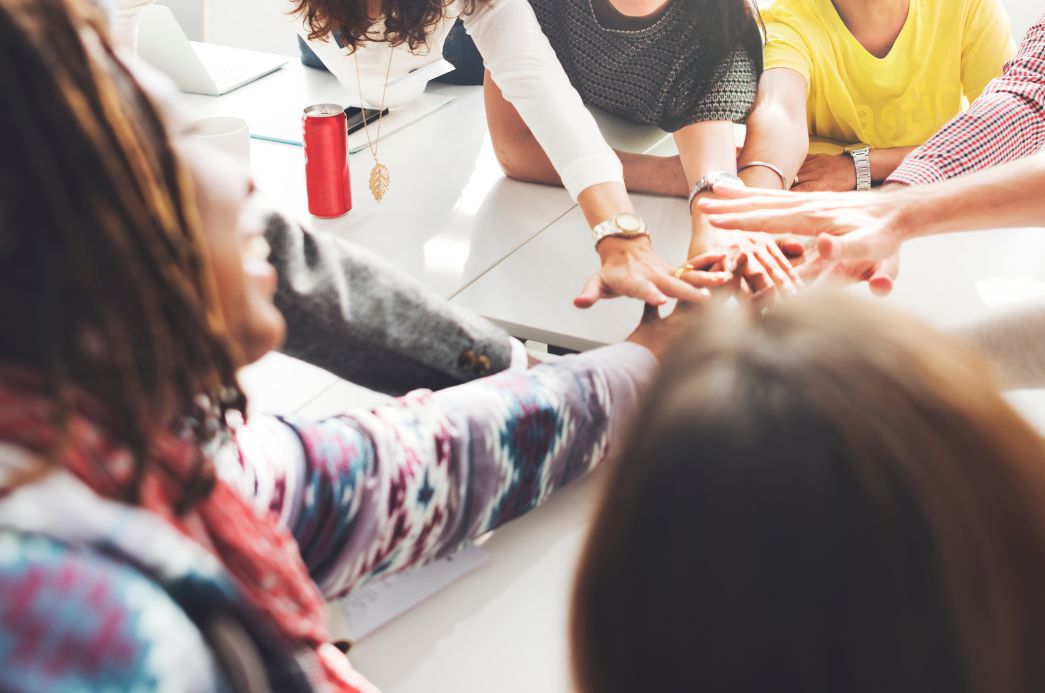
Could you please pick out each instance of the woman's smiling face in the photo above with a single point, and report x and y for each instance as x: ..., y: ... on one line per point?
x: 233, y: 227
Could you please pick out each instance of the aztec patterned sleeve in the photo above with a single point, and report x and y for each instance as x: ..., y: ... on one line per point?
x: 116, y: 630
x: 370, y: 493
x: 1006, y: 123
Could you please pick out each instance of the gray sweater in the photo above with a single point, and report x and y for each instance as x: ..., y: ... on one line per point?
x: 351, y: 313
x: 657, y: 74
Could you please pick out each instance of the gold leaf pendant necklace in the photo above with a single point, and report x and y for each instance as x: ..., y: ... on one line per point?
x: 380, y: 178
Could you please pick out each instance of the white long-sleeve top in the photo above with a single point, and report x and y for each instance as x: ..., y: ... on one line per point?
x: 523, y: 65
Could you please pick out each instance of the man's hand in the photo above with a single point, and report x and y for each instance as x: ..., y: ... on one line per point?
x: 859, y: 234
x: 850, y: 226
x: 631, y: 268
x: 826, y: 172
x: 879, y: 276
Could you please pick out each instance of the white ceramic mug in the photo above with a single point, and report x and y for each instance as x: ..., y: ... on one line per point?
x: 228, y: 133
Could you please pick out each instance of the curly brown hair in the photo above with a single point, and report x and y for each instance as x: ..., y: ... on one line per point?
x: 406, y: 21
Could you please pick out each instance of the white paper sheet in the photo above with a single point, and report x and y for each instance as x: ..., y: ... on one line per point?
x: 379, y: 602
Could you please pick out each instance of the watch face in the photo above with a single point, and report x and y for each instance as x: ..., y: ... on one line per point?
x: 628, y: 223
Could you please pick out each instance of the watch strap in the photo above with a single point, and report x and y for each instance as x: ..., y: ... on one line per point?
x: 708, y: 182
x: 609, y: 228
x: 862, y: 162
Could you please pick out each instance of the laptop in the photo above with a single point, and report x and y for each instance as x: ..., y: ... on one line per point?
x: 198, y: 68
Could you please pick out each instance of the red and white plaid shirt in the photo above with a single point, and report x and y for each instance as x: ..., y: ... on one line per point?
x: 1007, y: 122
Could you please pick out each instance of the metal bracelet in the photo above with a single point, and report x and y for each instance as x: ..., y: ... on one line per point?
x: 862, y: 162
x: 772, y: 167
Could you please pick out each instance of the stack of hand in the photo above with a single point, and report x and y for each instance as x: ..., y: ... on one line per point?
x: 756, y: 264
x: 759, y: 254
x: 858, y: 237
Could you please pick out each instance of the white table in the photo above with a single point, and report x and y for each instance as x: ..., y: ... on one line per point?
x: 450, y: 214
x: 943, y: 279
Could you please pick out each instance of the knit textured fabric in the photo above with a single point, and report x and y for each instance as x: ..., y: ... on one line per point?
x: 657, y: 75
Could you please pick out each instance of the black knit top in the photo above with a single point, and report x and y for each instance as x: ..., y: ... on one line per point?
x: 655, y: 74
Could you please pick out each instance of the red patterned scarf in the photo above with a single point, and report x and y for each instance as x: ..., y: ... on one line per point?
x: 260, y: 554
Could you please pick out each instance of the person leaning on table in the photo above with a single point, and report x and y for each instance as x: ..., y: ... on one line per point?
x: 349, y: 311
x: 874, y: 78
x: 409, y: 34
x: 151, y: 537
x: 830, y: 497
x: 936, y: 191
x: 689, y: 67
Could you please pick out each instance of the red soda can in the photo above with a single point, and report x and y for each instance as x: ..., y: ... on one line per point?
x: 326, y: 160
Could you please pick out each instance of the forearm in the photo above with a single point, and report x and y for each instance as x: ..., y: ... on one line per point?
x: 389, y: 489
x: 777, y: 132
x: 656, y: 175
x: 704, y: 148
x: 602, y: 202
x: 772, y: 138
x: 351, y: 313
x: 1005, y: 196
x: 527, y: 75
x: 522, y: 158
x: 1006, y: 123
x: 885, y: 161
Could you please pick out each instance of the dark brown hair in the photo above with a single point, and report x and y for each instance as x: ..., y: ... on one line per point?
x: 106, y: 288
x: 406, y: 21
x: 832, y: 498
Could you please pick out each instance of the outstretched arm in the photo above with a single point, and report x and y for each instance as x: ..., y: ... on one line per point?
x: 629, y: 267
x: 370, y: 493
x: 1006, y: 123
x: 871, y: 226
x: 521, y: 156
x: 706, y: 147
x: 353, y: 314
x: 777, y: 133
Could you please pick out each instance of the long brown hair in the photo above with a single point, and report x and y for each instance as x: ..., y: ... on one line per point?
x: 106, y: 288
x: 831, y: 498
x: 349, y: 22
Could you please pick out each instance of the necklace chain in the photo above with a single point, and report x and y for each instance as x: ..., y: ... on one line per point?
x: 373, y: 144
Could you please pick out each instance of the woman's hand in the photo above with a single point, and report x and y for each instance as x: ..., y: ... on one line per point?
x: 855, y: 230
x: 767, y: 265
x: 822, y: 172
x: 659, y: 334
x: 631, y: 268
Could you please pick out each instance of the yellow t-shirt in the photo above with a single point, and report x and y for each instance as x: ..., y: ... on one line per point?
x: 947, y: 50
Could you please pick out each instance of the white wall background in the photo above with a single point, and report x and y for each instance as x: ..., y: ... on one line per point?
x: 262, y: 24
x: 1023, y: 13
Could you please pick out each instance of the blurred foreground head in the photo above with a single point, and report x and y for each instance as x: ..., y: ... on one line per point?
x: 831, y: 498
x: 107, y: 281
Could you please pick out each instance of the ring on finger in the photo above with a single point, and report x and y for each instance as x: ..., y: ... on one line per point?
x: 682, y: 270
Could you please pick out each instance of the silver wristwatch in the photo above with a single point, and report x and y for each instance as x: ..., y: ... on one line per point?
x: 623, y: 225
x: 862, y: 161
x: 709, y: 181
